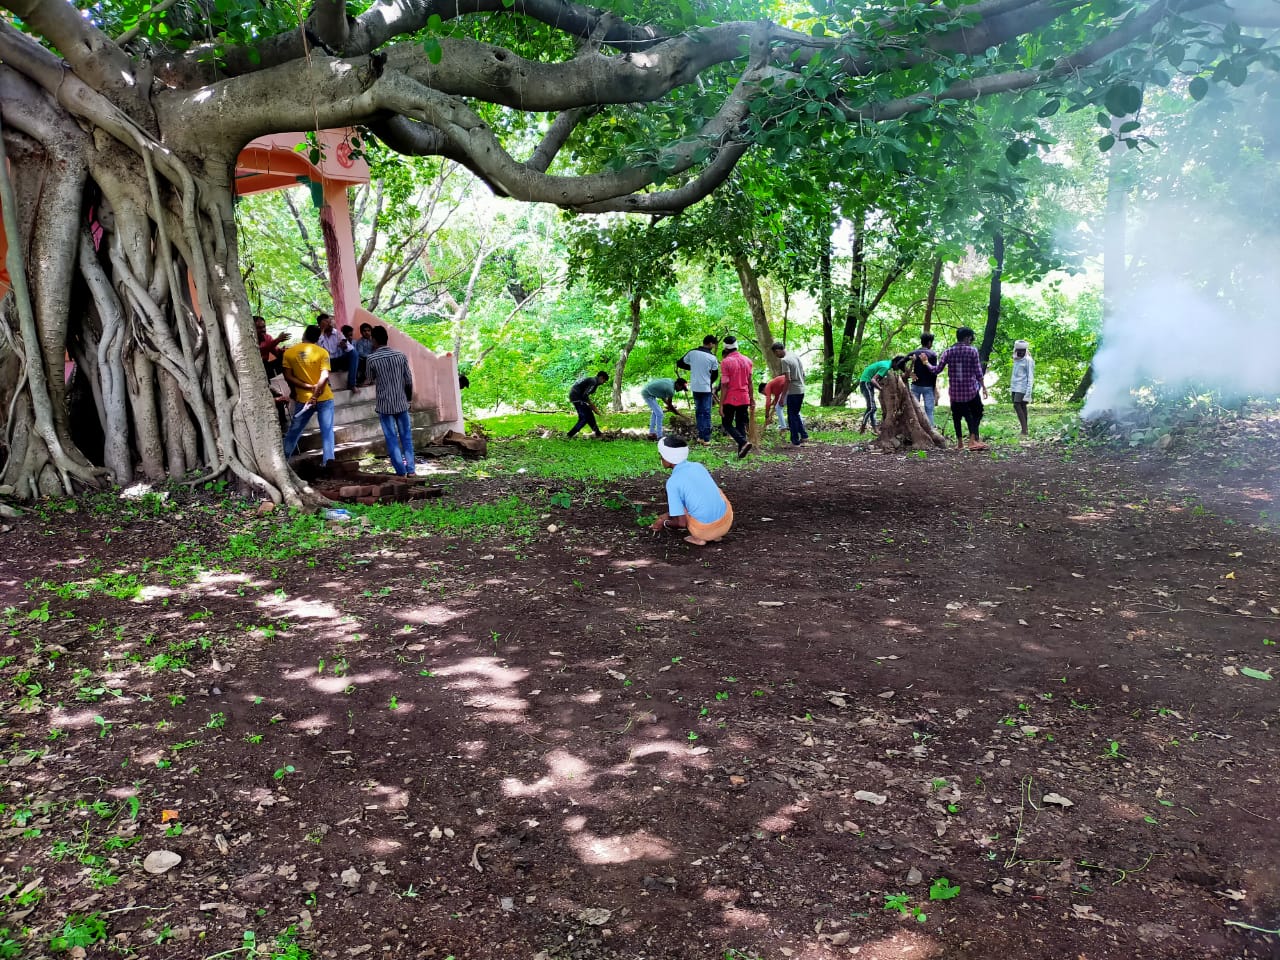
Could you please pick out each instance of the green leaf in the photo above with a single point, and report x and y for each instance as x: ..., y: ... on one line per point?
x: 1123, y: 99
x: 1017, y: 151
x: 1049, y: 109
x: 1237, y: 72
x: 1130, y: 126
x: 943, y: 889
x: 1176, y: 54
x: 432, y: 48
x: 1256, y: 674
x: 1198, y: 88
x: 1106, y: 143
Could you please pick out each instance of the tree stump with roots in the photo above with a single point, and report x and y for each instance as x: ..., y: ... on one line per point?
x: 904, y: 422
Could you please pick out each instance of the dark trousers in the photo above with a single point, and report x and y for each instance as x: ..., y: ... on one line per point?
x: 586, y: 418
x: 869, y: 395
x: 734, y: 419
x: 794, y: 423
x: 971, y: 412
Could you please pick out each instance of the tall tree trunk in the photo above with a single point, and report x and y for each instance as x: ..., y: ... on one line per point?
x: 749, y: 280
x: 855, y: 317
x: 932, y: 300
x: 620, y: 368
x: 828, y: 331
x: 1082, y: 389
x: 993, y: 299
x: 130, y: 265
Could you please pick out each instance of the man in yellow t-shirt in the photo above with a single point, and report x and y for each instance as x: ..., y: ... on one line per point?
x: 306, y: 369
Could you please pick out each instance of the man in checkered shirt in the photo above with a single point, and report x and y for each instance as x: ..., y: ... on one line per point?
x: 964, y: 385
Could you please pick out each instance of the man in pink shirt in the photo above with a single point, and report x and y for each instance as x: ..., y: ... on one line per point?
x: 773, y: 392
x: 736, y: 399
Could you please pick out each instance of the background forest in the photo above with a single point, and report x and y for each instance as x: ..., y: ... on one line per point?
x: 1003, y: 223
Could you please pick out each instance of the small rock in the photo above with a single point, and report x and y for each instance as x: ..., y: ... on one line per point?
x: 8, y: 512
x: 508, y: 904
x: 436, y: 833
x: 160, y: 861
x: 840, y: 939
x: 868, y: 797
x: 220, y: 842
x: 265, y: 507
x: 595, y: 916
x: 350, y: 877
x: 914, y: 877
x: 1057, y: 799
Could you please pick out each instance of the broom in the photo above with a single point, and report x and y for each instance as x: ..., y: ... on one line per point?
x: 755, y: 430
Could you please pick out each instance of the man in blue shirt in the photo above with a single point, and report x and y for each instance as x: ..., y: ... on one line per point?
x: 695, y: 504
x: 703, y: 369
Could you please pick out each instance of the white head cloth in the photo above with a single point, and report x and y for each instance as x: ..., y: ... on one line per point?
x: 672, y: 454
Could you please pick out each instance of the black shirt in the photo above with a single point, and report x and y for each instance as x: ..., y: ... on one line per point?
x: 583, y: 389
x: 924, y: 377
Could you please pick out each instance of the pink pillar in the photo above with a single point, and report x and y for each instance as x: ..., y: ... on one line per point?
x: 340, y: 252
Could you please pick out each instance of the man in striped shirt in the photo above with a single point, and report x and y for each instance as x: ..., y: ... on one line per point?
x: 392, y: 380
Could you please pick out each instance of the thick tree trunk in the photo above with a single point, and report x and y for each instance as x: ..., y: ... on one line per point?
x: 932, y: 299
x: 1082, y: 389
x: 750, y: 283
x: 620, y: 368
x: 130, y: 267
x: 993, y: 300
x: 828, y: 330
x: 904, y: 421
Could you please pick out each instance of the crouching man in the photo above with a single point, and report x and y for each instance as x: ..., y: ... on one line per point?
x: 695, y: 505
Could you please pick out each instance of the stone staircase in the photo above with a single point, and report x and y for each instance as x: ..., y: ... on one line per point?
x: 357, y: 431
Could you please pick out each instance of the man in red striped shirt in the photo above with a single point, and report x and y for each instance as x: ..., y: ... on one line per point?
x: 737, y: 402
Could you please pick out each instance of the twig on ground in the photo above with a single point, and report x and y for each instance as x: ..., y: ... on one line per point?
x: 475, y: 857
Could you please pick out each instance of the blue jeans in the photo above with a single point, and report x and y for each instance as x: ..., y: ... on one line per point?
x: 397, y: 429
x: 794, y: 423
x: 301, y: 417
x: 702, y: 413
x: 655, y: 416
x: 350, y: 361
x: 927, y: 396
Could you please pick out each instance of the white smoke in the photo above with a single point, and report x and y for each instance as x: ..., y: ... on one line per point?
x: 1203, y: 311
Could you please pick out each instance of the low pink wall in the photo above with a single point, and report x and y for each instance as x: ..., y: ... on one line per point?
x: 435, y: 375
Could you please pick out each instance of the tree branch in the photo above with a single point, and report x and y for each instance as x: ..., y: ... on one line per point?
x: 555, y: 137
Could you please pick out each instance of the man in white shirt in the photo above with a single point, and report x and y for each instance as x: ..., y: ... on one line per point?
x: 703, y: 369
x: 342, y: 355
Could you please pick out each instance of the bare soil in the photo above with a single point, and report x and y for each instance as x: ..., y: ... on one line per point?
x: 602, y: 743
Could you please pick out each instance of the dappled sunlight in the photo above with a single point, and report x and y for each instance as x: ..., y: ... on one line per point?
x: 79, y: 720
x: 432, y: 615
x: 383, y: 847
x: 316, y: 722
x: 392, y: 798
x: 639, y: 845
x: 900, y: 945
x: 1092, y: 517
x: 782, y: 820
x: 299, y: 608
x: 564, y: 772
x: 1119, y: 809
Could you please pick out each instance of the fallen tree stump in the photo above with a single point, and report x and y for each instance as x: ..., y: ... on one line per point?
x: 903, y: 422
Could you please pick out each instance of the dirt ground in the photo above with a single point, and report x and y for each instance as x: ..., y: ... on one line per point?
x: 1019, y: 676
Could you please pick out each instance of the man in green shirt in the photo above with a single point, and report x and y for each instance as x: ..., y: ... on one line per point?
x: 869, y: 383
x: 663, y: 389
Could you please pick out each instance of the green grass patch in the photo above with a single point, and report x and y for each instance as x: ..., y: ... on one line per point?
x: 596, y: 462
x: 523, y: 424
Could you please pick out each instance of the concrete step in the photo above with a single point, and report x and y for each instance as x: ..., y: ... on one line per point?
x: 355, y: 450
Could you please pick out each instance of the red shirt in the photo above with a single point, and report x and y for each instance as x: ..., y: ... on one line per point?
x: 735, y: 379
x: 775, y: 388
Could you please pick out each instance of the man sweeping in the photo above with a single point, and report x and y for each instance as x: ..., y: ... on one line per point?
x: 695, y: 505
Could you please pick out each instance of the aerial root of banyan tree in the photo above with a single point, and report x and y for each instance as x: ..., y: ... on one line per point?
x: 128, y: 268
x: 903, y: 422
